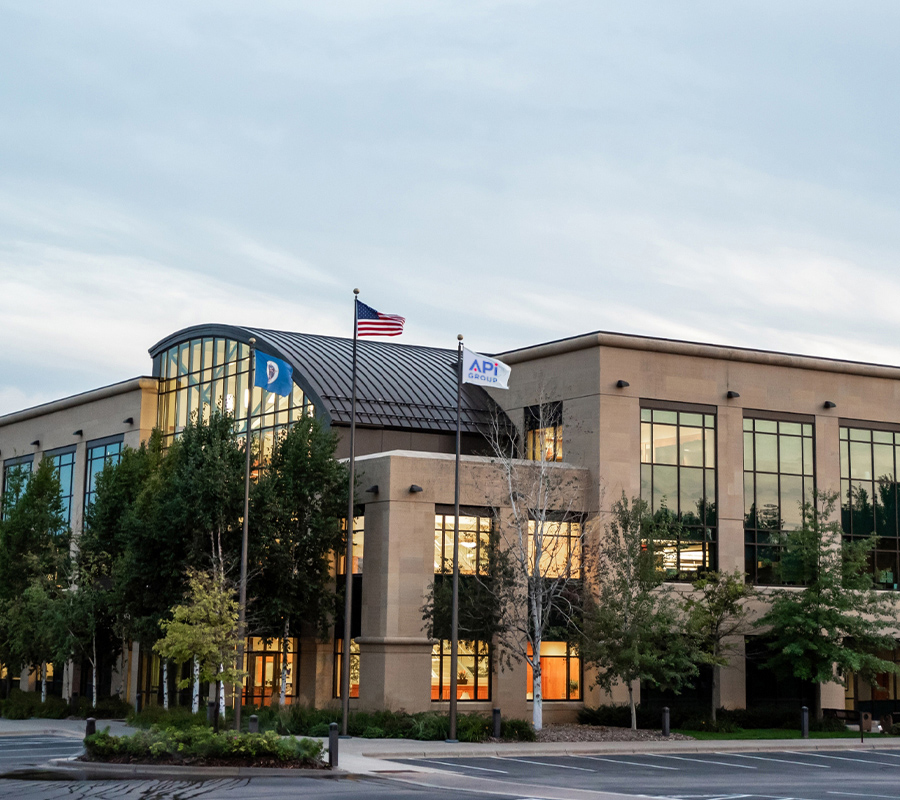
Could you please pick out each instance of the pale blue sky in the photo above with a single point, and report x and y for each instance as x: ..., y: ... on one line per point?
x: 516, y: 171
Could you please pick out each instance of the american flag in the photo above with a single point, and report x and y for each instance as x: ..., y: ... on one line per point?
x: 370, y: 322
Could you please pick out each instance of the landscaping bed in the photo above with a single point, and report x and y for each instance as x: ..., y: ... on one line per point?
x: 200, y: 746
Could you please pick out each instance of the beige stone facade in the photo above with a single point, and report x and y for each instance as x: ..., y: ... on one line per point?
x: 604, y: 383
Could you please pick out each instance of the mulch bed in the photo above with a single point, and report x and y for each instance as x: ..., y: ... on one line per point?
x: 602, y: 733
x: 207, y: 762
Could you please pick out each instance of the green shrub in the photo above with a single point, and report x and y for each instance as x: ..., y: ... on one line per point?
x: 827, y: 724
x: 472, y: 728
x: 52, y: 708
x: 21, y: 705
x: 178, y: 717
x: 517, y: 729
x: 201, y: 743
x: 111, y: 708
x: 321, y: 729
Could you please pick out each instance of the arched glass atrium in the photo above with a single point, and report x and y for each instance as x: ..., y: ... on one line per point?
x: 198, y: 375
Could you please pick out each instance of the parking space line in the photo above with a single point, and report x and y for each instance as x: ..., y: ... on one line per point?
x: 844, y: 758
x: 851, y: 794
x: 544, y: 764
x: 468, y: 766
x: 778, y: 760
x: 707, y: 761
x: 630, y: 763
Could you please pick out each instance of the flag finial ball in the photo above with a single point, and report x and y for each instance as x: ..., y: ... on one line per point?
x: 356, y: 291
x: 459, y: 336
x: 252, y: 341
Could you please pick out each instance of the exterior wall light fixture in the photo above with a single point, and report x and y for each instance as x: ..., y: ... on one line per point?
x: 731, y: 395
x: 622, y: 384
x: 36, y: 443
x: 829, y: 404
x: 128, y: 421
x: 79, y: 432
x: 415, y: 488
x: 372, y: 489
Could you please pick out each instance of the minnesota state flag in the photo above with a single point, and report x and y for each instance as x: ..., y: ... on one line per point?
x: 273, y: 374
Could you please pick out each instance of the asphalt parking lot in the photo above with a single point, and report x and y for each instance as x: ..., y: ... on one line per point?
x: 18, y: 752
x: 776, y: 775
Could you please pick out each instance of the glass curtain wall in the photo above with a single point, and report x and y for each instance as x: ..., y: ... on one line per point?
x: 16, y: 473
x: 678, y: 474
x: 560, y: 672
x: 869, y: 496
x: 202, y: 374
x: 778, y: 480
x: 99, y: 454
x: 64, y: 463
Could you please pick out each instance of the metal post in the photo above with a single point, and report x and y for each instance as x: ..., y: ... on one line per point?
x: 665, y: 721
x: 242, y: 608
x: 333, y: 745
x: 348, y: 565
x: 140, y: 701
x: 90, y: 726
x: 498, y: 725
x: 454, y: 622
x: 804, y: 722
x: 862, y: 737
x: 253, y: 727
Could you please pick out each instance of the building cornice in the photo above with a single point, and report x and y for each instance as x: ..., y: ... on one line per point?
x: 770, y: 358
x: 114, y: 390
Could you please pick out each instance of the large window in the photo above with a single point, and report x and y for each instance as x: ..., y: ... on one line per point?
x: 778, y: 480
x: 678, y: 475
x: 263, y: 665
x: 202, y: 374
x: 473, y: 671
x: 474, y: 537
x: 359, y: 541
x: 100, y: 453
x: 869, y: 496
x: 560, y: 672
x: 64, y: 463
x: 354, y: 666
x: 543, y: 432
x: 557, y: 545
x: 16, y: 473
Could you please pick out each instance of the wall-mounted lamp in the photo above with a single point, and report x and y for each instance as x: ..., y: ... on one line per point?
x: 622, y: 384
x: 37, y: 442
x: 79, y: 432
x: 731, y: 395
x: 415, y: 488
x: 829, y: 404
x: 128, y: 421
x: 372, y: 489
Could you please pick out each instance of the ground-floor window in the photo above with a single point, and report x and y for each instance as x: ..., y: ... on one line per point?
x: 354, y: 666
x: 560, y: 672
x: 473, y: 672
x: 882, y: 696
x: 262, y: 685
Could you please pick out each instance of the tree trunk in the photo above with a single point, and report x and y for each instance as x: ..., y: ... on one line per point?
x: 537, y: 712
x: 221, y: 693
x: 819, y: 713
x: 715, y: 692
x: 44, y: 682
x: 94, y: 672
x: 216, y: 712
x: 284, y: 661
x: 632, y: 707
x: 195, y: 695
x: 165, y: 681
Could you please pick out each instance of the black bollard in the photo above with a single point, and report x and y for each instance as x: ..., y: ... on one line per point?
x: 804, y: 723
x: 211, y: 712
x: 333, y: 745
x: 140, y: 702
x: 665, y: 721
x: 862, y: 715
x: 497, y: 723
x: 253, y: 727
x: 90, y: 726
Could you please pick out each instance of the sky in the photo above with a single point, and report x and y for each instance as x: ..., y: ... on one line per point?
x: 513, y: 170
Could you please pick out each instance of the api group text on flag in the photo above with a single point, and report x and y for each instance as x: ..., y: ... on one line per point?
x: 370, y: 322
x: 484, y: 370
x: 273, y: 374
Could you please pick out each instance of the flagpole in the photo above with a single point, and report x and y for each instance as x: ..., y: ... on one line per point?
x: 242, y: 608
x: 454, y: 621
x: 348, y: 564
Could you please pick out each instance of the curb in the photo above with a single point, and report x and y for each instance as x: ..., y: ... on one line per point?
x: 64, y: 769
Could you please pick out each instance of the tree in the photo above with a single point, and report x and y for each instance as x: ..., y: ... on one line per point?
x: 632, y: 627
x: 716, y: 614
x: 34, y: 548
x: 838, y: 622
x: 296, y: 516
x: 204, y: 629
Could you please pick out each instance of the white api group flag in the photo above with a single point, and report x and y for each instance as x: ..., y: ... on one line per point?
x: 484, y: 370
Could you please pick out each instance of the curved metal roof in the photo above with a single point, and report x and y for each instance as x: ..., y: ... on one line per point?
x: 398, y: 386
